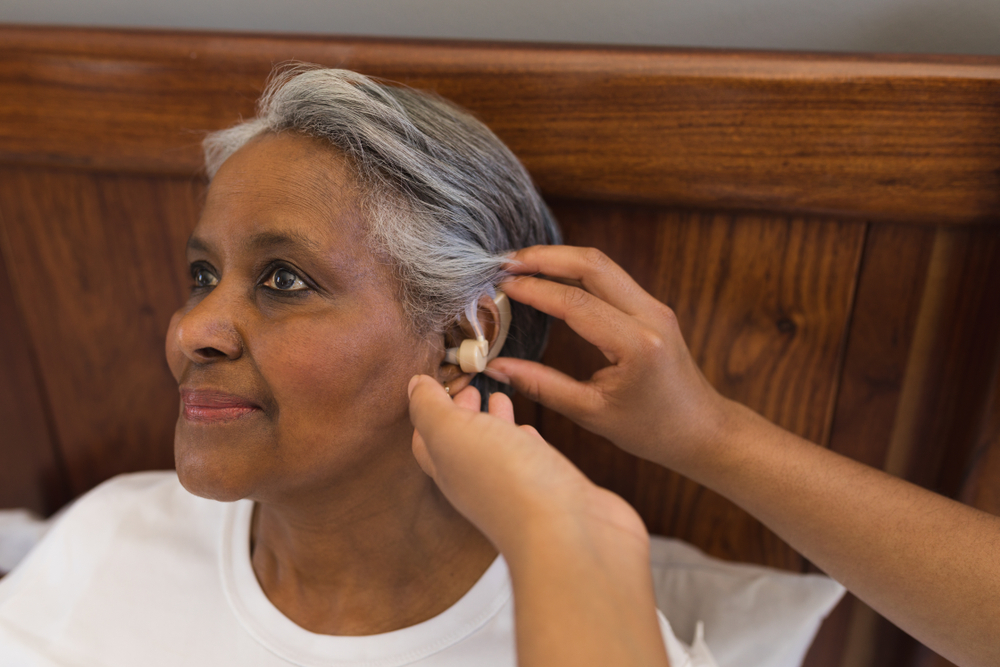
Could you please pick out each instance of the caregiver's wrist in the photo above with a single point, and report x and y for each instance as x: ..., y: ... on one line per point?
x: 574, y: 535
x: 711, y: 442
x: 735, y: 450
x: 534, y: 531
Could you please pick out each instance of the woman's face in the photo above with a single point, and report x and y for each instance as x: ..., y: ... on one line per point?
x: 292, y: 353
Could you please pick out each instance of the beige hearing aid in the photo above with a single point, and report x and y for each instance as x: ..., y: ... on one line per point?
x: 474, y: 353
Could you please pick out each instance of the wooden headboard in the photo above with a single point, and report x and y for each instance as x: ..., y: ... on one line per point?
x: 827, y: 229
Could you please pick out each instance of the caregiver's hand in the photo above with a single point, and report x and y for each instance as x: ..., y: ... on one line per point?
x: 578, y: 554
x: 653, y: 392
x: 927, y: 563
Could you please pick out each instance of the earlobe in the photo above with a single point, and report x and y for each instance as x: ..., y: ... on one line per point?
x: 474, y: 353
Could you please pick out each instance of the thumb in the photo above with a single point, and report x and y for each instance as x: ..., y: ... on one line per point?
x: 547, y: 386
x: 431, y: 411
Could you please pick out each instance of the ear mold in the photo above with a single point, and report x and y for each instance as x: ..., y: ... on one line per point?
x: 474, y: 353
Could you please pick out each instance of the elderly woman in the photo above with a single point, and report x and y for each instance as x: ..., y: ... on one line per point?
x: 352, y: 233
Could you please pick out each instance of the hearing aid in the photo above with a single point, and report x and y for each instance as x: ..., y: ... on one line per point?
x: 474, y: 353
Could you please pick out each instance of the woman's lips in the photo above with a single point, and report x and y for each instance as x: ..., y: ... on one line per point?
x: 209, y: 406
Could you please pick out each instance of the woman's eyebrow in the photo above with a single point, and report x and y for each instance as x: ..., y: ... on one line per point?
x: 263, y: 241
x: 195, y: 243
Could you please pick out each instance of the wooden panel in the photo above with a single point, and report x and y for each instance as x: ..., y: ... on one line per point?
x: 98, y: 261
x: 827, y: 649
x: 889, y: 293
x: 763, y: 303
x: 30, y: 472
x: 922, y: 420
x: 956, y: 344
x: 982, y: 489
x: 968, y: 360
x: 890, y: 288
x: 911, y: 139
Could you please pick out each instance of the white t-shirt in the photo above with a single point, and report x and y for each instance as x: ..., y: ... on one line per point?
x: 141, y: 572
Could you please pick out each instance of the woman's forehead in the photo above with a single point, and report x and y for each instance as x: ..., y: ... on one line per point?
x: 282, y: 189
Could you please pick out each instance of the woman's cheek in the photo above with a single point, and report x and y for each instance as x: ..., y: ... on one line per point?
x: 319, y: 364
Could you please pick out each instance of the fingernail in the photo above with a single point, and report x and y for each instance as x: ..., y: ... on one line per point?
x: 413, y: 383
x: 496, y: 375
x: 511, y: 261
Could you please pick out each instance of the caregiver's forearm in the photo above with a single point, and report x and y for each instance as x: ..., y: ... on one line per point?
x: 929, y: 564
x: 582, y: 602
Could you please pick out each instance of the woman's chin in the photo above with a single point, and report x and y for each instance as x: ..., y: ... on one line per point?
x: 210, y: 478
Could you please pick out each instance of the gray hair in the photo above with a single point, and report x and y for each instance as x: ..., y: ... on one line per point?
x: 444, y: 198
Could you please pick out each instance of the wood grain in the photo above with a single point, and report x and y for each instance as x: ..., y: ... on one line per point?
x: 828, y: 647
x: 763, y: 303
x: 956, y: 347
x: 924, y: 420
x: 982, y: 487
x: 31, y: 473
x: 98, y: 262
x: 888, y: 138
x: 889, y: 294
x: 890, y: 290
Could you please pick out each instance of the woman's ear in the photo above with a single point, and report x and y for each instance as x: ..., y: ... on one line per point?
x: 493, y: 316
x: 488, y: 314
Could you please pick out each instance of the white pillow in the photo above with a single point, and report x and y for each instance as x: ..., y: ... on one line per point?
x: 754, y: 616
x: 20, y: 530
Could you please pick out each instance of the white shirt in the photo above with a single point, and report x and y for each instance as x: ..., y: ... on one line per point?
x: 141, y: 572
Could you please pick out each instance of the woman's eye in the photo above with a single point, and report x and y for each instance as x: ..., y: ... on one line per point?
x: 285, y: 280
x: 203, y: 277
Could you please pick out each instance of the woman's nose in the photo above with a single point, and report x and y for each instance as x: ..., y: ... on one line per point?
x: 209, y: 332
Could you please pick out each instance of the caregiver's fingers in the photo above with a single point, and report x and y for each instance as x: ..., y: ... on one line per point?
x: 600, y: 324
x: 468, y: 399
x: 432, y: 411
x: 594, y: 270
x: 429, y: 406
x: 500, y: 406
x: 532, y: 431
x: 545, y: 385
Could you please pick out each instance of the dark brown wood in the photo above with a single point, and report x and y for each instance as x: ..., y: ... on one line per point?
x: 890, y: 138
x: 827, y: 649
x: 763, y: 303
x: 99, y: 266
x: 899, y: 286
x: 941, y: 401
x: 928, y: 658
x: 890, y: 289
x: 949, y: 382
x: 31, y: 473
x: 982, y: 488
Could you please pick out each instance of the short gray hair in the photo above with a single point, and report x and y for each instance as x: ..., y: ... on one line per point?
x: 444, y: 198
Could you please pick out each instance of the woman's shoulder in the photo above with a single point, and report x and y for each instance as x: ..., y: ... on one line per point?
x: 121, y: 493
x: 137, y: 547
x: 132, y: 502
x: 133, y: 483
x: 123, y: 515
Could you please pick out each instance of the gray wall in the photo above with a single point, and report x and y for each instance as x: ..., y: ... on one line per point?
x: 943, y: 26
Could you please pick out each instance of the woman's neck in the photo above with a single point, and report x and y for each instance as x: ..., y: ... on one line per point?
x: 370, y: 559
